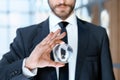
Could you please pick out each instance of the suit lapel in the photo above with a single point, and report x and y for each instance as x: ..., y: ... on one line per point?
x: 42, y: 32
x: 83, y: 34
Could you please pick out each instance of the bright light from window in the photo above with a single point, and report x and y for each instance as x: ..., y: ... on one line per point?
x: 105, y: 20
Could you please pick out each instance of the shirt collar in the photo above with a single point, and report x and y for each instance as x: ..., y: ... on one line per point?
x: 54, y: 20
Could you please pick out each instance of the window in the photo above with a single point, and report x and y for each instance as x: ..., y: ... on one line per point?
x: 21, y: 13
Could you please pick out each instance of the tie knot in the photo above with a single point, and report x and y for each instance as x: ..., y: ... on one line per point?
x: 63, y: 24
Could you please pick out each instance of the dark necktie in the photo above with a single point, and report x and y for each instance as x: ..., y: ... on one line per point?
x: 63, y: 71
x: 63, y: 29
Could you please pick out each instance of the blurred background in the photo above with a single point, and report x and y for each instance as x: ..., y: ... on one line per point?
x: 21, y: 13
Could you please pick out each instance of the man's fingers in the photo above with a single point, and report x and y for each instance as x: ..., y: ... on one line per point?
x: 56, y: 40
x: 48, y: 37
x: 52, y: 35
x: 56, y: 33
x: 61, y: 35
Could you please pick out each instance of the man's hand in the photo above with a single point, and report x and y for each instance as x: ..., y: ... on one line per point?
x: 40, y: 56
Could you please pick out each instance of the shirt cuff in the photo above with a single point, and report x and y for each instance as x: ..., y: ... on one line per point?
x: 28, y: 73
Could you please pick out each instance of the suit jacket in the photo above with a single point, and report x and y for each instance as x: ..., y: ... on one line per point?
x: 93, y: 58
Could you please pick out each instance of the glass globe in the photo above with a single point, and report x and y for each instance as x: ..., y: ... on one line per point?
x: 63, y: 52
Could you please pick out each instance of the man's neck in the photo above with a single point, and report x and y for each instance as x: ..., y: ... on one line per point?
x: 62, y: 18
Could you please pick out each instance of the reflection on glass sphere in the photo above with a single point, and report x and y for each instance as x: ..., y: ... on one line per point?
x: 63, y: 52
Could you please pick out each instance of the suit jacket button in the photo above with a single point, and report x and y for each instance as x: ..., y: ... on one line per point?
x: 15, y: 72
x: 12, y: 74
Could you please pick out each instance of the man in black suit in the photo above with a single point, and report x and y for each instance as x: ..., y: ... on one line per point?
x: 31, y: 58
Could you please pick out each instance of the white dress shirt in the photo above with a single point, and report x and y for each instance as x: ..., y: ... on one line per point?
x: 72, y: 33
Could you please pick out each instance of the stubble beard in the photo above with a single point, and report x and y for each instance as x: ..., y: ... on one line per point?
x: 63, y: 14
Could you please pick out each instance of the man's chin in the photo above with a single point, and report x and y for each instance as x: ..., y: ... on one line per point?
x: 62, y: 16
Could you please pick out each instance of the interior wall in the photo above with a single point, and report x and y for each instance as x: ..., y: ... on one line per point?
x: 113, y: 7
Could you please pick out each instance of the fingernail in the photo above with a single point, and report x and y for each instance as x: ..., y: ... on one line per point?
x: 62, y: 43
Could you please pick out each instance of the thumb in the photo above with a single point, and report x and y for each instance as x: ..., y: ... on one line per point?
x: 55, y: 64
